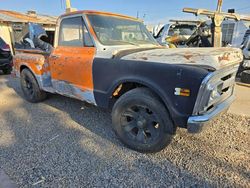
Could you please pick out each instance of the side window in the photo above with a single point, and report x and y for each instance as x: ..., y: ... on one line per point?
x: 74, y: 33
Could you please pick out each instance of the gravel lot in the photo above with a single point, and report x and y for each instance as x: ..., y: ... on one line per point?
x: 63, y: 142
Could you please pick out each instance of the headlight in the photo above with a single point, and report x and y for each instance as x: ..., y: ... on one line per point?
x: 215, y: 92
x: 214, y: 95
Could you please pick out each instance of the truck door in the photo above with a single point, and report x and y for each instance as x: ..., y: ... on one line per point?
x: 72, y: 59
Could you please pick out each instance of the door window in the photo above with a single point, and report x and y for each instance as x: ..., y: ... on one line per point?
x: 73, y: 32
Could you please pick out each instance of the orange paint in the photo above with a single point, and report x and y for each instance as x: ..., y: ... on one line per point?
x: 34, y: 62
x: 73, y: 65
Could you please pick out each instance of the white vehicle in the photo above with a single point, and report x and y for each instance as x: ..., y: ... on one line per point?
x: 180, y: 29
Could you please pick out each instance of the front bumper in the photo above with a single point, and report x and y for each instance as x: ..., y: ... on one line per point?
x: 196, y: 123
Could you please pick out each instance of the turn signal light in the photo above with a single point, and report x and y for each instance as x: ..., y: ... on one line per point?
x: 182, y: 92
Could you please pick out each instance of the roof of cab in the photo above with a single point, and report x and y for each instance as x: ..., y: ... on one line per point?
x: 100, y: 13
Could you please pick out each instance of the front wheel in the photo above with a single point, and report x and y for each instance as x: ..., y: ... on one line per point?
x: 142, y: 122
x: 30, y: 87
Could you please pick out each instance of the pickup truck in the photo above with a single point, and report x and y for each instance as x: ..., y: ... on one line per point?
x: 113, y: 62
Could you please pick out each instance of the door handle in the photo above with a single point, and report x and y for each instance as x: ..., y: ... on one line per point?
x: 55, y: 56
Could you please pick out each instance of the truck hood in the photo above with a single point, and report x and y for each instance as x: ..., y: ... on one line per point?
x: 216, y: 58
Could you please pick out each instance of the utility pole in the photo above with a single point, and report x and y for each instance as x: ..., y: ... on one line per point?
x: 217, y: 18
x: 217, y: 21
x: 68, y: 6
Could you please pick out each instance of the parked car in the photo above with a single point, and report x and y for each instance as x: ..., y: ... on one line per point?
x: 112, y: 61
x: 5, y: 57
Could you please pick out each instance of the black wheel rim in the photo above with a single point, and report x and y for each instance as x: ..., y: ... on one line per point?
x: 28, y: 86
x: 140, y: 124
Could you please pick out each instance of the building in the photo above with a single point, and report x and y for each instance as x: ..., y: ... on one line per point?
x: 12, y: 24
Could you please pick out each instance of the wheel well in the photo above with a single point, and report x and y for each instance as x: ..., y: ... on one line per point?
x: 23, y: 67
x: 125, y: 87
x: 26, y: 67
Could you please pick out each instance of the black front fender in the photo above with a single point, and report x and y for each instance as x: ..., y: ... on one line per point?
x: 161, y: 78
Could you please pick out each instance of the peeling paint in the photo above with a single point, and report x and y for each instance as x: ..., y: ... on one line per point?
x: 188, y: 56
x: 217, y: 58
x: 70, y: 76
x: 67, y: 89
x: 224, y: 57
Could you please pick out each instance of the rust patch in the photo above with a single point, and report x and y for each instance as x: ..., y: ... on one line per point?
x: 225, y: 57
x: 73, y: 62
x: 187, y: 56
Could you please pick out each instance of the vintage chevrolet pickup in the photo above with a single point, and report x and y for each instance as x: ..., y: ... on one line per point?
x: 112, y: 61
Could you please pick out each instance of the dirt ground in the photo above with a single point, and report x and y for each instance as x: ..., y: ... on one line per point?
x: 242, y: 105
x: 63, y: 142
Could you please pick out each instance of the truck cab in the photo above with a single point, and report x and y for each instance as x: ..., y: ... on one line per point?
x: 112, y: 61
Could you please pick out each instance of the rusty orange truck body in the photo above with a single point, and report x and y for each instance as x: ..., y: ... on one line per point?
x: 112, y: 61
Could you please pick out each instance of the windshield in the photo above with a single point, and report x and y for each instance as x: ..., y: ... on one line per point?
x: 182, y: 30
x: 118, y: 31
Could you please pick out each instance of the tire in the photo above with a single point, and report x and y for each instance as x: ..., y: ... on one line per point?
x: 245, y: 76
x: 142, y: 122
x: 30, y: 87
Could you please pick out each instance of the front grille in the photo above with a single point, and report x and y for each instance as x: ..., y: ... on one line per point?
x: 219, y: 82
x: 225, y: 87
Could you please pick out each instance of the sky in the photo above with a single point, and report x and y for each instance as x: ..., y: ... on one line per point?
x: 152, y: 11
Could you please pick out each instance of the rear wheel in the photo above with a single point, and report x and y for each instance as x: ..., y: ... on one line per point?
x: 30, y: 87
x: 142, y: 122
